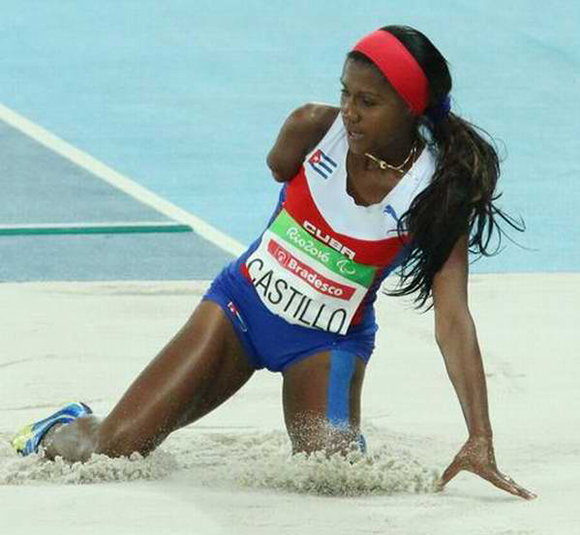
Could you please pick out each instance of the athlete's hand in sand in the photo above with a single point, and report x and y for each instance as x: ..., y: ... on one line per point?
x: 477, y: 456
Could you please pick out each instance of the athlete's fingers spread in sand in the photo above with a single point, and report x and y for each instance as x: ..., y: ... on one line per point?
x: 452, y: 470
x: 490, y: 474
x: 477, y: 456
x: 506, y: 483
x: 462, y: 461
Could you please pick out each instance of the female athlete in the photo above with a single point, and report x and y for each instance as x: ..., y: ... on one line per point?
x: 390, y: 180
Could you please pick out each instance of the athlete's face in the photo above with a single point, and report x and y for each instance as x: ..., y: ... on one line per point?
x: 376, y: 118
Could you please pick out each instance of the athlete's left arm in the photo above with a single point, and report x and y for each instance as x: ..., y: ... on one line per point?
x: 457, y: 339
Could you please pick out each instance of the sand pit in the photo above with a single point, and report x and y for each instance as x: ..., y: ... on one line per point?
x: 232, y: 472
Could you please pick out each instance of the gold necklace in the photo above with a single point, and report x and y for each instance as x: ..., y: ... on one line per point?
x: 399, y: 168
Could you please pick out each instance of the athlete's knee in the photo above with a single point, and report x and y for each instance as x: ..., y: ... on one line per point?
x: 313, y: 436
x: 73, y: 442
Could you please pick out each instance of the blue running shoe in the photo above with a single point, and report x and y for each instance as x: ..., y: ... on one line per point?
x: 27, y: 440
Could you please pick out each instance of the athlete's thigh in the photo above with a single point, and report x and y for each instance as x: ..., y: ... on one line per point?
x: 322, y: 401
x: 201, y: 367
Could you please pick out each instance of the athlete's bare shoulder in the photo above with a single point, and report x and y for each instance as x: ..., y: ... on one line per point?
x: 299, y: 134
x: 314, y: 119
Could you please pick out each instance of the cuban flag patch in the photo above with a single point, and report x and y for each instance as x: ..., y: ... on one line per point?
x: 324, y: 165
x: 234, y: 310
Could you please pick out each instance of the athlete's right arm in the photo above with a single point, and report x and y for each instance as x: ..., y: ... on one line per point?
x: 300, y: 133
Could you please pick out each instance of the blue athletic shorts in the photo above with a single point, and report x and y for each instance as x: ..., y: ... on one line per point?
x: 270, y: 341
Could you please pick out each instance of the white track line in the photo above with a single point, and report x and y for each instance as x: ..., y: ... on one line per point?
x: 116, y: 179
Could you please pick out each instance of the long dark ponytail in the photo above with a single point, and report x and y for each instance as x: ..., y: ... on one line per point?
x: 462, y: 194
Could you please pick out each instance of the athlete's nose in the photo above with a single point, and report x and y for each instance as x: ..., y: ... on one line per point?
x: 349, y: 111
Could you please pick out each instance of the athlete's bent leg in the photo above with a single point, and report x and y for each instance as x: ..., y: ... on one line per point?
x: 200, y: 368
x: 321, y: 396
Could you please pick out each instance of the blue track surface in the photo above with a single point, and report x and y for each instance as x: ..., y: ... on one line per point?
x: 187, y: 97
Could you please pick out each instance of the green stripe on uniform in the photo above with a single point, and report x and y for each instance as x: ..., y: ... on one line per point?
x: 285, y: 227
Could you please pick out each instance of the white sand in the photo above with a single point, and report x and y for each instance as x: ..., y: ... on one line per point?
x: 232, y: 473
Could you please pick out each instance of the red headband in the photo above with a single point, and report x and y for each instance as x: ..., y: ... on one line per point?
x: 399, y: 67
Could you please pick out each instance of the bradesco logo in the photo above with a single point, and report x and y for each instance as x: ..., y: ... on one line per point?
x: 317, y: 281
x: 286, y: 228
